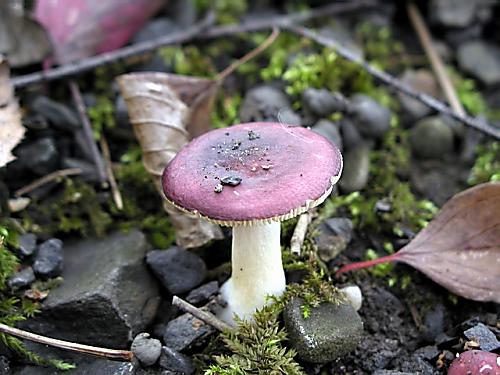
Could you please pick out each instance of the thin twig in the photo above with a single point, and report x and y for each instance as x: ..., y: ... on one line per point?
x: 299, y: 233
x: 121, y: 355
x: 250, y: 55
x: 397, y: 84
x: 200, y: 31
x: 115, y: 191
x: 87, y: 130
x: 46, y: 179
x: 436, y: 62
x: 204, y: 316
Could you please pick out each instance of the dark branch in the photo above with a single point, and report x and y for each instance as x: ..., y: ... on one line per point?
x: 392, y: 81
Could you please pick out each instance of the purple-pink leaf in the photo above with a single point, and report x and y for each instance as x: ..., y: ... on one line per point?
x: 460, y: 248
x: 82, y: 28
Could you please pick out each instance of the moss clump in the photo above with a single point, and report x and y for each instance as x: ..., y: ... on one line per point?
x: 189, y: 61
x: 487, y: 165
x: 227, y: 11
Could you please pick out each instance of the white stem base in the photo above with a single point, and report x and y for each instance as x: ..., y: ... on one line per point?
x: 257, y: 271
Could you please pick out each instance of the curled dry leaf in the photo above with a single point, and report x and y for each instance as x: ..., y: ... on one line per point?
x: 11, y: 128
x: 460, y: 248
x: 82, y: 28
x: 160, y: 118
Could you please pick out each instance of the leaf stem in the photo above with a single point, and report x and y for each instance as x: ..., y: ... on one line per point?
x: 367, y: 263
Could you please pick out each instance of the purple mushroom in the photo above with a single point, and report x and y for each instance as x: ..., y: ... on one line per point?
x: 251, y: 177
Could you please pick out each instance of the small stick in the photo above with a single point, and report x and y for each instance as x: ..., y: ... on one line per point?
x: 204, y: 316
x: 395, y: 83
x: 87, y: 130
x: 117, y: 196
x: 121, y: 355
x: 299, y: 233
x: 250, y: 55
x: 46, y: 179
x: 436, y: 62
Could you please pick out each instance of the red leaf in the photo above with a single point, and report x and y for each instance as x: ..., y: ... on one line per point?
x: 460, y: 248
x: 82, y: 28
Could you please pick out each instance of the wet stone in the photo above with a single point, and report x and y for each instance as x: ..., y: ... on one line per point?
x: 40, y: 157
x: 481, y: 60
x: 431, y: 138
x: 203, y: 293
x: 483, y: 336
x: 329, y: 130
x: 146, y: 349
x: 334, y: 236
x: 356, y: 169
x: 322, y: 102
x: 186, y: 332
x: 22, y: 279
x: 178, y: 270
x: 329, y: 333
x: 49, y: 259
x: 371, y: 118
x: 27, y: 244
x: 56, y: 113
x: 176, y: 362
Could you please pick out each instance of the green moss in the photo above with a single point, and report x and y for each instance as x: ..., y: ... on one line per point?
x: 102, y: 115
x: 487, y: 165
x: 227, y: 11
x: 226, y: 111
x: 188, y: 60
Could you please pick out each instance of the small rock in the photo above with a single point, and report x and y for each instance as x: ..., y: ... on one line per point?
x: 483, y: 336
x: 22, y: 279
x: 429, y: 352
x: 155, y: 28
x: 356, y: 169
x: 330, y: 131
x: 481, y: 60
x: 203, y: 293
x: 56, y: 113
x: 49, y: 259
x: 185, y: 332
x: 177, y: 362
x: 27, y: 244
x: 40, y: 157
x: 334, y: 236
x: 178, y: 270
x: 371, y: 118
x: 322, y: 102
x: 329, y: 333
x: 453, y: 13
x: 146, y: 349
x: 354, y: 295
x: 350, y: 134
x: 422, y: 80
x: 267, y: 103
x: 431, y: 138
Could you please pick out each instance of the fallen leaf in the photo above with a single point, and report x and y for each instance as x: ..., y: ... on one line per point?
x: 22, y: 39
x: 83, y: 28
x: 11, y: 128
x: 160, y: 118
x: 460, y: 248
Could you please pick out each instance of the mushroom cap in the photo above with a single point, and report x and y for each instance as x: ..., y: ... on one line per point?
x: 252, y: 173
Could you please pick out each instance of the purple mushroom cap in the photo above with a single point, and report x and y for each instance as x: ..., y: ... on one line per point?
x: 252, y: 172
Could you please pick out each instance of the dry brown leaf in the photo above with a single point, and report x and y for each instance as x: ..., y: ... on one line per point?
x: 460, y: 248
x: 11, y: 128
x: 160, y: 118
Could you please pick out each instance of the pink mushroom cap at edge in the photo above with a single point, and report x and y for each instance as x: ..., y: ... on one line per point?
x: 283, y: 171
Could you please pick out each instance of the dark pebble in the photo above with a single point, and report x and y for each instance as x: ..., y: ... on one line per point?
x: 186, y: 332
x: 27, y: 244
x: 40, y: 157
x: 203, y: 293
x: 483, y: 336
x: 172, y: 360
x: 22, y: 279
x: 49, y: 259
x: 56, y: 113
x: 146, y: 349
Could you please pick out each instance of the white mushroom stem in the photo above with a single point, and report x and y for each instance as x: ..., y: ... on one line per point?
x: 257, y: 270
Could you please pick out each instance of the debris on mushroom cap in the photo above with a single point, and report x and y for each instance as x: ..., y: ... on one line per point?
x: 475, y: 362
x: 270, y: 171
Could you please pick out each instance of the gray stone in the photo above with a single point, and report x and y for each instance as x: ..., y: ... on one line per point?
x: 329, y: 130
x: 56, y: 113
x: 155, y: 28
x: 371, y: 118
x: 322, y: 102
x: 178, y: 270
x: 356, y: 169
x: 185, y: 332
x: 146, y: 349
x: 422, y: 80
x: 453, y: 13
x: 96, y: 367
x: 334, y: 236
x: 350, y: 134
x: 49, y: 259
x: 177, y: 362
x: 203, y: 293
x: 431, y: 138
x: 40, y: 157
x: 107, y: 296
x: 329, y: 333
x: 22, y: 279
x: 27, y: 244
x: 266, y: 103
x: 483, y: 336
x: 481, y: 60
